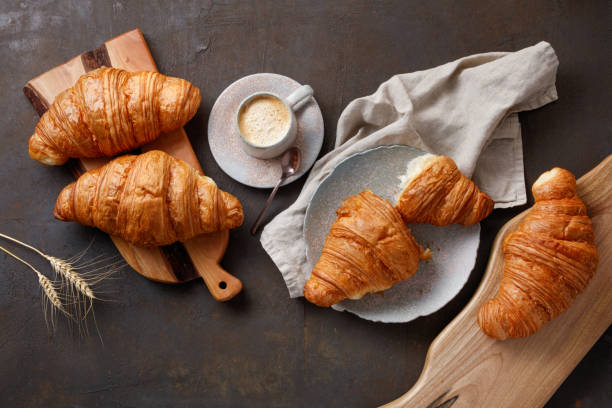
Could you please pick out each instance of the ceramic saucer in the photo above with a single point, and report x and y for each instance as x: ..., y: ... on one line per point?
x: 224, y: 139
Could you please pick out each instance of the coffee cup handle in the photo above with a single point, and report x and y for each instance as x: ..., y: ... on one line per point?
x: 298, y: 96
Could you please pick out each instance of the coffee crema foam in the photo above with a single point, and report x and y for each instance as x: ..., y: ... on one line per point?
x: 264, y: 120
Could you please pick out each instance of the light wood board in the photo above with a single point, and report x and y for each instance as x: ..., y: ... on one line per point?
x: 175, y: 263
x: 466, y: 369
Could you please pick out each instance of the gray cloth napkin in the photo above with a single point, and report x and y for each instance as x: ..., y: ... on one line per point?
x: 465, y: 109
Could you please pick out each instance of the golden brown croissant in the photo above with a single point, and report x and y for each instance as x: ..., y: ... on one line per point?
x: 434, y: 191
x: 149, y: 199
x: 109, y: 111
x: 549, y: 260
x: 368, y: 249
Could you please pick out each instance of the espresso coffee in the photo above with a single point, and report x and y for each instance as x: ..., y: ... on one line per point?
x: 264, y: 120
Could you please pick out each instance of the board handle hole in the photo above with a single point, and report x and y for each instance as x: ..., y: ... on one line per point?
x: 222, y: 285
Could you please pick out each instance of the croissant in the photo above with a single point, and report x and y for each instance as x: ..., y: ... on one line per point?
x: 549, y: 260
x: 149, y: 199
x: 109, y: 111
x: 434, y: 191
x: 368, y: 249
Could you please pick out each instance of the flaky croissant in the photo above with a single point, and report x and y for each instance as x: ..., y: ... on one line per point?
x: 109, y: 111
x: 368, y: 249
x: 549, y: 260
x: 434, y: 191
x: 149, y: 199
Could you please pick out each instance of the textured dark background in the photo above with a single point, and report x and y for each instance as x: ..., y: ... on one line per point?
x: 174, y: 345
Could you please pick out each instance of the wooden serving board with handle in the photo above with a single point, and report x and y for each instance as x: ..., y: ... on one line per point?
x: 180, y: 262
x: 465, y: 368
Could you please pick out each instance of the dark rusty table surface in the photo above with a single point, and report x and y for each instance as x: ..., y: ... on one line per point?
x: 174, y: 345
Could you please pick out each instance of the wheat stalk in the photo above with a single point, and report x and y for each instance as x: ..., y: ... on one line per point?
x: 66, y: 270
x: 49, y: 290
x: 47, y: 286
x: 77, y: 291
x: 61, y: 267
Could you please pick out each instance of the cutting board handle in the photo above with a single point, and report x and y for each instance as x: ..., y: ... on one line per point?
x: 465, y: 368
x: 222, y: 285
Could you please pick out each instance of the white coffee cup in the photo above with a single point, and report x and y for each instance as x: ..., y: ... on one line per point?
x: 263, y: 119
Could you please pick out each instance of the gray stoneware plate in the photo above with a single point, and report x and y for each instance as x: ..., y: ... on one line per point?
x: 454, y: 247
x: 224, y: 139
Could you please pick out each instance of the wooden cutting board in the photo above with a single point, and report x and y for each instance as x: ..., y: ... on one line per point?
x: 466, y: 369
x: 180, y: 262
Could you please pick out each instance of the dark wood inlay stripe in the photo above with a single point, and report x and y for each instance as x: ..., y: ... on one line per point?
x: 95, y: 59
x: 40, y: 104
x: 180, y: 262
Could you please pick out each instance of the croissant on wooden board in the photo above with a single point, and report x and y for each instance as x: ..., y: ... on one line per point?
x: 368, y: 249
x: 149, y: 199
x: 434, y: 191
x: 109, y: 111
x: 549, y: 260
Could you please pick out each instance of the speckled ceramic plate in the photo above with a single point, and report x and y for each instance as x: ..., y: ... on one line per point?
x: 224, y: 139
x: 454, y: 247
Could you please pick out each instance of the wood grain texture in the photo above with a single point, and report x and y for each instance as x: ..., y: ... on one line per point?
x: 465, y: 368
x: 175, y: 263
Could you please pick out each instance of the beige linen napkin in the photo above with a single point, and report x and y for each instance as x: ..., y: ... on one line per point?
x: 465, y: 109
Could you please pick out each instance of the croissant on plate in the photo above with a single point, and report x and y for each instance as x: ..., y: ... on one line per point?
x: 109, y: 111
x: 434, y: 191
x: 149, y: 199
x: 368, y: 249
x: 549, y: 260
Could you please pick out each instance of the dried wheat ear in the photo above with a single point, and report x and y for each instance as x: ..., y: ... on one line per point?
x: 72, y: 292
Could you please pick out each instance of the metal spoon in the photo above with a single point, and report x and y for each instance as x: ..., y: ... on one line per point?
x: 290, y: 163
